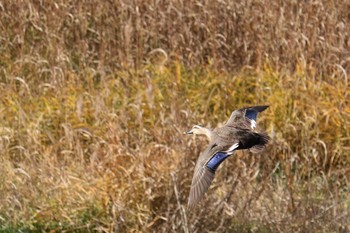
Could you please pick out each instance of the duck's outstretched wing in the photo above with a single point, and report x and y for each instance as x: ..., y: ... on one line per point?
x: 204, y: 172
x: 201, y: 181
x: 245, y: 116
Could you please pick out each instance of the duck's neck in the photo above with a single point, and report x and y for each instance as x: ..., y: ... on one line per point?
x: 207, y: 133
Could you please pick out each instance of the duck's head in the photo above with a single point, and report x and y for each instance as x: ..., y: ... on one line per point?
x: 198, y: 130
x: 195, y: 129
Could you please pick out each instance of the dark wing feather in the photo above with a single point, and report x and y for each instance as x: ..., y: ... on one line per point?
x: 258, y: 108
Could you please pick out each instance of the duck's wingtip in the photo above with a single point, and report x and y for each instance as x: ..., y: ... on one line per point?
x: 190, y: 204
x: 260, y: 108
x: 189, y: 207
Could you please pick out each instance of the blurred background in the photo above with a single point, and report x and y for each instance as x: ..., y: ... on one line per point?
x: 95, y: 97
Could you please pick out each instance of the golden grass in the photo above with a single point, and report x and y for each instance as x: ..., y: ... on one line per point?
x: 91, y: 119
x: 110, y: 154
x: 229, y: 34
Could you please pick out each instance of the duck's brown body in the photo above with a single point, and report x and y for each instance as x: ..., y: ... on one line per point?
x: 246, y: 138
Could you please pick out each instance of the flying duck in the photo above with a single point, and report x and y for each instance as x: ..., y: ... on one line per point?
x: 238, y: 133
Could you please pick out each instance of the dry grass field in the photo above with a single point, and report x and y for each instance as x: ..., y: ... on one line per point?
x: 95, y: 97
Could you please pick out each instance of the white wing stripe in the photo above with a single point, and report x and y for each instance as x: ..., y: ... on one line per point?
x: 253, y: 124
x: 231, y: 149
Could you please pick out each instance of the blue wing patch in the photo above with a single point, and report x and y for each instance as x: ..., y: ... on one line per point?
x: 251, y: 114
x: 216, y: 160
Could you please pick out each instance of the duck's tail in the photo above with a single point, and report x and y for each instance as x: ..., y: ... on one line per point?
x: 263, y: 140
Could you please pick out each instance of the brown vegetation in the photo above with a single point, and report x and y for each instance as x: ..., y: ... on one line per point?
x: 92, y: 115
